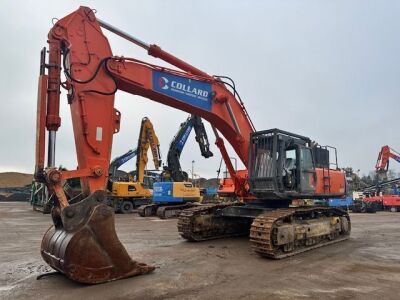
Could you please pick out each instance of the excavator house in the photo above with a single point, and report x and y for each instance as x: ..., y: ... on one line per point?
x: 281, y: 166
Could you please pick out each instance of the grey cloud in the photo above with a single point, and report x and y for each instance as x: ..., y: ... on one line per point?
x: 326, y: 69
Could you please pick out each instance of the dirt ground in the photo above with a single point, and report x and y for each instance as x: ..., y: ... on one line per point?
x: 365, y: 267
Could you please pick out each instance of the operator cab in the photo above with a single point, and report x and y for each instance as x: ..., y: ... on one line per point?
x: 282, y: 165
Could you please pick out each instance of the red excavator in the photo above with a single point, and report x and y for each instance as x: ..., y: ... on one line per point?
x: 382, y: 163
x: 226, y: 187
x: 281, y: 166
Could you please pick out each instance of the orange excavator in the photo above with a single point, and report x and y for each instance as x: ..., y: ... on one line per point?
x: 226, y: 187
x: 281, y: 166
x: 382, y: 163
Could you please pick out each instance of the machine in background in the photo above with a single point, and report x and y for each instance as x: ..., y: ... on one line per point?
x: 382, y: 163
x: 41, y: 199
x: 343, y: 203
x: 127, y: 195
x: 114, y: 172
x: 384, y: 195
x: 175, y: 193
x: 226, y: 186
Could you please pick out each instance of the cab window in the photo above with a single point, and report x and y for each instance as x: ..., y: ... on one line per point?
x: 306, y: 159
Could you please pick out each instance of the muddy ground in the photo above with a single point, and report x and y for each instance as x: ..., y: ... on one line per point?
x: 365, y: 267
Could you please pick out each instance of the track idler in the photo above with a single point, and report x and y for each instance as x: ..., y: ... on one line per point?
x: 84, y: 246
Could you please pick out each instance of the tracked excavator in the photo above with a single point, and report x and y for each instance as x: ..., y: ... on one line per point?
x: 282, y: 166
x: 175, y: 193
x: 127, y: 195
x: 173, y: 170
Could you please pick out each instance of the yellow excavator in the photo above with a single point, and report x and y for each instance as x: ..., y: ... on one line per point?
x: 127, y: 195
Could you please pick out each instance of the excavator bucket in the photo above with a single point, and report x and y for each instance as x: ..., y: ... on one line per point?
x: 84, y: 246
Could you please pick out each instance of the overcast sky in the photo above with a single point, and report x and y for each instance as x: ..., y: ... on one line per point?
x: 326, y: 69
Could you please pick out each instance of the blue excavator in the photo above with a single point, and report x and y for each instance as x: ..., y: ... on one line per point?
x: 119, y: 161
x: 118, y: 175
x: 173, y: 170
x: 174, y: 192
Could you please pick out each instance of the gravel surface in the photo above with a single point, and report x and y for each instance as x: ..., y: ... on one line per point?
x: 365, y: 267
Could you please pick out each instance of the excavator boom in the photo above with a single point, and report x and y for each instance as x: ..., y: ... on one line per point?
x: 147, y: 138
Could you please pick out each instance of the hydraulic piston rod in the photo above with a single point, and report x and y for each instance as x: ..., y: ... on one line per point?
x: 51, y: 150
x: 154, y: 50
x: 123, y: 34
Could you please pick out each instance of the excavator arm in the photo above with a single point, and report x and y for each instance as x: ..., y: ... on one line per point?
x: 173, y: 168
x: 147, y: 138
x: 117, y: 162
x: 201, y: 137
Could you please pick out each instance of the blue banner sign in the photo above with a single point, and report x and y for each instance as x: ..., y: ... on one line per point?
x: 190, y: 91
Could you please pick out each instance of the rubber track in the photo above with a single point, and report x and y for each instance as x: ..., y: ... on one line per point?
x: 262, y: 227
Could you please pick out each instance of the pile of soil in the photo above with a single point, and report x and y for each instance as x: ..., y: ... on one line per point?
x: 15, y: 179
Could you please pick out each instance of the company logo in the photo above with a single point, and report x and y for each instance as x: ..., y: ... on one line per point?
x: 188, y: 89
x: 191, y: 91
x: 163, y: 83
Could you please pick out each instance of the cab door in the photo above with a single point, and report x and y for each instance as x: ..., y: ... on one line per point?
x: 307, y: 171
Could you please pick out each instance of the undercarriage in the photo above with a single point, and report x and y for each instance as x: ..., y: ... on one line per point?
x: 274, y: 232
x: 164, y: 211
